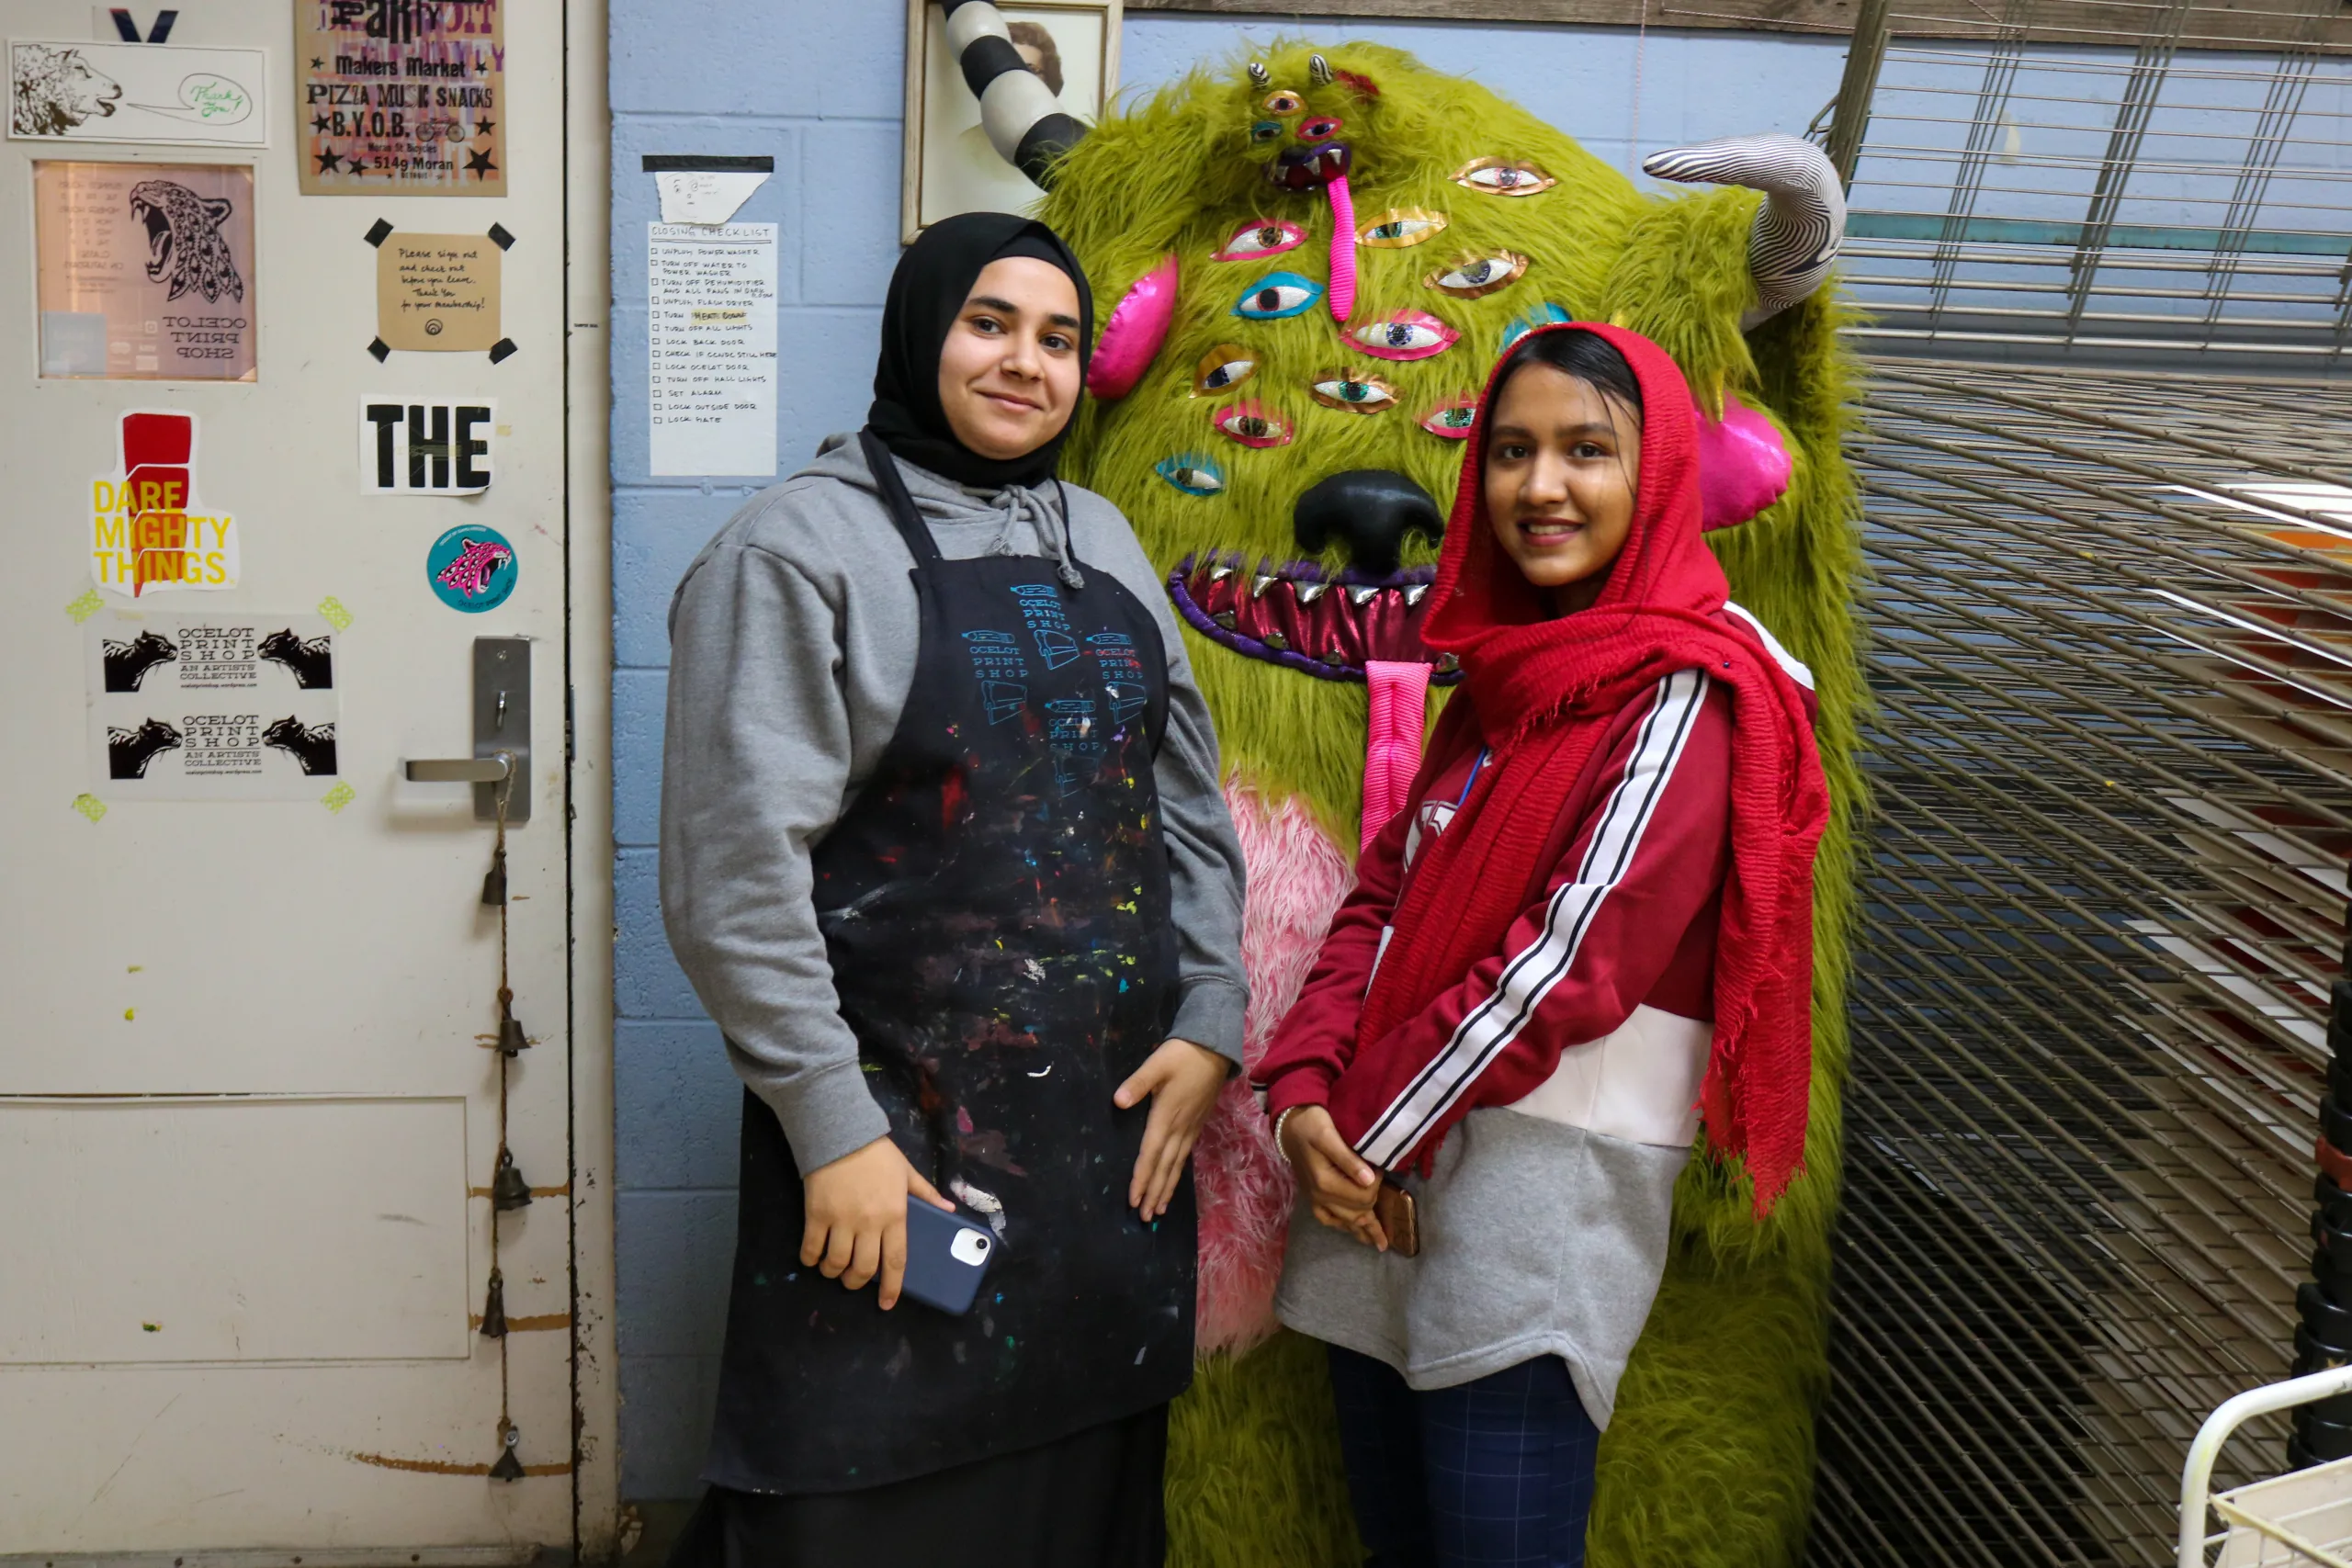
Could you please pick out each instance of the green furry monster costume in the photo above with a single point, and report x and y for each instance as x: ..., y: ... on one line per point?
x: 1471, y: 214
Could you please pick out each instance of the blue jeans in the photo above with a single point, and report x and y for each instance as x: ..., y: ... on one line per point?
x: 1495, y: 1474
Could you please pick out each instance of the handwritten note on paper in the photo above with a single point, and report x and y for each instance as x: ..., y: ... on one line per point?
x: 437, y: 292
x: 711, y: 293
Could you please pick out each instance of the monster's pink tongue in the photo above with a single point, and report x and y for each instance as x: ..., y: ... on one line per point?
x: 1392, y: 752
x: 1343, y: 249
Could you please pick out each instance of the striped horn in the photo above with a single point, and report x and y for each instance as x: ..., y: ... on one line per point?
x: 1258, y: 76
x: 1319, y: 70
x: 1025, y: 124
x: 1794, y: 240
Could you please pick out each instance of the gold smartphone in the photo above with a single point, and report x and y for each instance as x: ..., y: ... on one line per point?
x: 1394, y: 1210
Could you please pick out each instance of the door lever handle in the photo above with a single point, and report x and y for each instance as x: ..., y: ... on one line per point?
x: 461, y: 770
x: 500, y: 769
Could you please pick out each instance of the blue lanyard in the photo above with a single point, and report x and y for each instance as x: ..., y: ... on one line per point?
x: 1476, y: 762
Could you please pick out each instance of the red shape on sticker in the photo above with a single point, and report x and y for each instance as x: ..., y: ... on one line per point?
x: 157, y: 439
x: 157, y: 451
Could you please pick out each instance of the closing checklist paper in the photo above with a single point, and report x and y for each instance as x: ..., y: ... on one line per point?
x: 711, y: 299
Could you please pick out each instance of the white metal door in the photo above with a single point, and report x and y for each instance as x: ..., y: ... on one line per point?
x: 250, y: 1115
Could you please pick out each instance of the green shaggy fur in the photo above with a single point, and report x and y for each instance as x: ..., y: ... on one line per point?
x: 1710, y: 1458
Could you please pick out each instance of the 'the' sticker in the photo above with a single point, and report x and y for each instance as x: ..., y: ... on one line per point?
x: 426, y: 448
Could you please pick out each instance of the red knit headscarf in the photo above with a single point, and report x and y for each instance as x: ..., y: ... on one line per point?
x: 1539, y: 690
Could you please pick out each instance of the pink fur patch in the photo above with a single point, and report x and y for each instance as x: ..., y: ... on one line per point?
x: 1297, y: 877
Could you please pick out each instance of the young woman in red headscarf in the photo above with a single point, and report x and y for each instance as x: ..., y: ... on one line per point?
x: 1593, y: 924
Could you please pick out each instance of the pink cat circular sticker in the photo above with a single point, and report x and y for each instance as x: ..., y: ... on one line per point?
x: 471, y: 569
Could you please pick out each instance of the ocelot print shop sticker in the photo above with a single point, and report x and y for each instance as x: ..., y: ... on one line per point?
x: 471, y: 569
x: 198, y: 704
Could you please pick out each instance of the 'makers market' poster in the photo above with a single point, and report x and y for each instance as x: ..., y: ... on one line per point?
x: 401, y: 97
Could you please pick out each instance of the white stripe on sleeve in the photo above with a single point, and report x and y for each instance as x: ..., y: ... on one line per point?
x: 1793, y: 667
x: 1490, y: 1027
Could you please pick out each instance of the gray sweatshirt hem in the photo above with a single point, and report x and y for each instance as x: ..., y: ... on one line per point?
x: 1211, y: 1014
x: 826, y: 1112
x: 1537, y: 1239
x: 1596, y: 1394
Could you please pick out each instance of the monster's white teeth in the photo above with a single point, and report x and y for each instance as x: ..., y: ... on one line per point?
x: 1258, y: 586
x: 1308, y: 592
x: 1415, y: 595
x: 1360, y: 597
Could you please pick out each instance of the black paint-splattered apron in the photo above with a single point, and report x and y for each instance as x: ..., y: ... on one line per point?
x: 995, y: 905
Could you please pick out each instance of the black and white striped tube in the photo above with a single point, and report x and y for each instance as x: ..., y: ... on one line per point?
x: 1798, y: 229
x: 1026, y: 125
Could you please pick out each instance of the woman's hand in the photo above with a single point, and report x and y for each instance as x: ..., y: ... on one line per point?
x: 1341, y: 1188
x: 1183, y: 1081
x: 857, y: 1217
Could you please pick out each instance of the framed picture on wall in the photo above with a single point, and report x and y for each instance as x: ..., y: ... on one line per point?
x: 949, y: 166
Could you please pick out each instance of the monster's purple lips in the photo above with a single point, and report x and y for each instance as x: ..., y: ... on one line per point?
x: 1323, y: 625
x: 1305, y: 168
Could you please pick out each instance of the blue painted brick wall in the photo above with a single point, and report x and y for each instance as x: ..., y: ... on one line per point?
x: 818, y: 87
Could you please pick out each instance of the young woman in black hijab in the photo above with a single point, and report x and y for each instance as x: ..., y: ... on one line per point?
x: 944, y: 853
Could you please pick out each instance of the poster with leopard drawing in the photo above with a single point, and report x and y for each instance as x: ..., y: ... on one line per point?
x: 146, y: 270
x: 1308, y: 257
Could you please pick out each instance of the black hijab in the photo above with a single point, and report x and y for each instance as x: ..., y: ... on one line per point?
x: 927, y: 291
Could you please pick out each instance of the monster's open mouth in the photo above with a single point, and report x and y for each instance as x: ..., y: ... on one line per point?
x: 1305, y: 168
x: 159, y: 235
x: 1323, y: 624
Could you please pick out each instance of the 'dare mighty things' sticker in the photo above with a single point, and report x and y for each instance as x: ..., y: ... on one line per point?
x: 149, y: 534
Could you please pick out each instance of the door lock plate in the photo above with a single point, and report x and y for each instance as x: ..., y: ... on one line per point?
x: 503, y: 723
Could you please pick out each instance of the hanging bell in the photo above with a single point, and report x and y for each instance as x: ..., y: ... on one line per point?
x: 494, y: 1310
x: 512, y: 1041
x: 494, y: 881
x: 508, y: 1467
x: 507, y: 1189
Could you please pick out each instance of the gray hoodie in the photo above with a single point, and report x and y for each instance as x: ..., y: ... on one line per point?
x: 793, y: 640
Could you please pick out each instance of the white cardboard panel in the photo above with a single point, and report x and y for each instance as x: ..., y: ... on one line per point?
x: 232, y: 1230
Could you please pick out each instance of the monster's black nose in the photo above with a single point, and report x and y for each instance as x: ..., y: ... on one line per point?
x: 1370, y: 513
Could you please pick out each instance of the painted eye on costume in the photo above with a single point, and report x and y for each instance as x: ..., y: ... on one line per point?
x: 1399, y: 227
x: 1357, y: 394
x: 1503, y: 177
x: 1260, y: 238
x: 1545, y: 315
x: 1282, y: 102
x: 1253, y: 423
x: 1193, y: 473
x: 1221, y: 368
x: 1266, y: 131
x: 1276, y: 295
x: 1404, y: 335
x: 1453, y: 417
x: 1321, y: 128
x: 1474, y: 275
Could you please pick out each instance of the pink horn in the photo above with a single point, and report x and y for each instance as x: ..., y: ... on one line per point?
x: 1744, y: 465
x: 1132, y: 337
